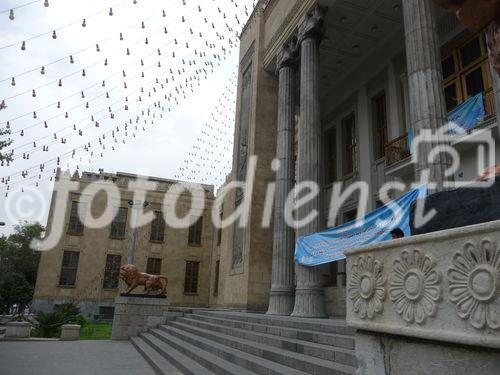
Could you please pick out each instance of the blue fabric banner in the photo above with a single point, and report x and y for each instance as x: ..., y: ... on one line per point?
x: 330, y: 245
x: 467, y: 115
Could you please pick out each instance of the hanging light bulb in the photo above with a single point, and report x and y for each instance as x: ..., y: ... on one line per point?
x: 42, y: 71
x: 128, y: 52
x: 105, y: 62
x: 107, y: 95
x: 146, y: 41
x: 97, y: 48
x: 58, y: 105
x: 121, y: 36
x: 134, y: 2
x: 23, y: 46
x: 71, y: 60
x: 13, y: 82
x: 87, y: 105
x: 110, y: 11
x: 159, y: 53
x: 143, y: 25
x: 60, y: 83
x: 11, y: 15
x: 83, y: 95
x: 165, y: 30
x: 159, y: 65
x: 66, y: 115
x: 54, y: 35
x: 163, y: 13
x: 84, y: 23
x: 34, y: 114
x: 22, y: 133
x: 46, y: 3
x: 123, y: 72
x: 103, y: 83
x: 33, y: 94
x: 45, y: 125
x: 142, y: 63
x: 83, y: 73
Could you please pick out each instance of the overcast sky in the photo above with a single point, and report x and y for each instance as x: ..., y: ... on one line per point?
x: 201, y: 126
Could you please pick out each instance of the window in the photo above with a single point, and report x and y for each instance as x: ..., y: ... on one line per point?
x: 350, y: 144
x: 157, y: 228
x: 68, y: 268
x: 219, y: 230
x: 75, y: 226
x: 331, y: 159
x: 112, y: 271
x: 466, y: 73
x: 154, y: 266
x: 195, y: 231
x: 350, y: 216
x: 106, y: 312
x: 191, y: 279
x: 379, y: 125
x: 217, y: 271
x: 119, y: 223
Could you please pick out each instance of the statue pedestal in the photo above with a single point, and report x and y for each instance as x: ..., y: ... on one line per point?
x: 137, y: 313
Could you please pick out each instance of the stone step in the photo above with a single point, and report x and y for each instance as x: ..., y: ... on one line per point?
x: 185, y: 363
x: 327, y: 352
x: 158, y: 362
x: 332, y: 339
x: 206, y: 359
x: 254, y: 363
x: 294, y: 360
x: 336, y: 326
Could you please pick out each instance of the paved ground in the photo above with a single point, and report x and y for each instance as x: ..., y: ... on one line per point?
x: 71, y: 357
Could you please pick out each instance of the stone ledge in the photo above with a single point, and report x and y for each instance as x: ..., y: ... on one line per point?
x: 441, y: 286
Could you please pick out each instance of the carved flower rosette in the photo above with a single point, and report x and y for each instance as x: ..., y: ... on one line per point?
x: 366, y: 287
x: 414, y: 286
x: 474, y: 284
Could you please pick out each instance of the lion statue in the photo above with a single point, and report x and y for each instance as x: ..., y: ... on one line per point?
x: 133, y: 278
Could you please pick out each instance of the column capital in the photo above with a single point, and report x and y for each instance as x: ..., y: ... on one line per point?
x: 313, y: 24
x: 287, y: 56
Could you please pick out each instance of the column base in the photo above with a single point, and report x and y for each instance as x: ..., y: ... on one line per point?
x: 281, y: 302
x: 309, y: 303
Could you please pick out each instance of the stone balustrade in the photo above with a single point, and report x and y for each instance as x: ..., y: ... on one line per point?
x: 443, y: 287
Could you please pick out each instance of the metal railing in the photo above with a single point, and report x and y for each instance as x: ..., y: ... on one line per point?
x: 397, y: 150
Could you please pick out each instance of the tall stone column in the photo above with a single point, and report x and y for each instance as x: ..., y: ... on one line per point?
x: 427, y: 108
x: 282, y: 288
x: 309, y: 297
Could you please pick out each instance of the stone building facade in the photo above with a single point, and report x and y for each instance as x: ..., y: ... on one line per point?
x: 84, y: 265
x: 335, y: 90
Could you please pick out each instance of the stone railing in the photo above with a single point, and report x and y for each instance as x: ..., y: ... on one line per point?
x: 442, y: 286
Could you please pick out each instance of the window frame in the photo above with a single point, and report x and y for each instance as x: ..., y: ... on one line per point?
x: 461, y: 71
x: 152, y: 264
x: 69, y: 268
x: 158, y: 227
x: 122, y: 224
x: 350, y: 148
x: 380, y: 133
x: 195, y: 231
x: 191, y: 277
x: 74, y: 220
x: 114, y: 273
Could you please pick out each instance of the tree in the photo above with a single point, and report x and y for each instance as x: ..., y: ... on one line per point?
x: 14, y: 290
x: 18, y: 266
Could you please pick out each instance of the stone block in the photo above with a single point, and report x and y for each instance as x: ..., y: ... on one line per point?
x: 136, y: 314
x: 18, y: 330
x: 70, y: 332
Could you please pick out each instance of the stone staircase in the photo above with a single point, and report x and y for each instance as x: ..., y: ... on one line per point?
x: 222, y: 342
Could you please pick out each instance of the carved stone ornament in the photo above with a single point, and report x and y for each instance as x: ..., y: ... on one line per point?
x: 313, y: 24
x: 474, y: 284
x: 287, y: 56
x: 366, y: 287
x: 414, y: 286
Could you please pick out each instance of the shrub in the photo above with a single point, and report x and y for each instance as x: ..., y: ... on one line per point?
x: 49, y: 324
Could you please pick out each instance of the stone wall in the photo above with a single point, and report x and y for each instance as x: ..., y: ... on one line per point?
x: 335, y: 301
